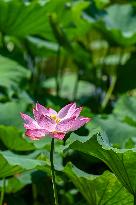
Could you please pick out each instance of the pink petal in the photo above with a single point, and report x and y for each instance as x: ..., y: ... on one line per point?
x: 47, y: 123
x: 79, y: 122
x: 36, y: 133
x: 37, y: 114
x: 30, y: 123
x: 70, y: 108
x: 71, y: 124
x: 77, y: 112
x: 58, y: 135
x: 65, y: 125
x: 27, y: 118
x: 52, y: 112
x: 41, y: 109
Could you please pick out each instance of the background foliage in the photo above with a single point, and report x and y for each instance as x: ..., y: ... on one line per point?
x: 55, y: 52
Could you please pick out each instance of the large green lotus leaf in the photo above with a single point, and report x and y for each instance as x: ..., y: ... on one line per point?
x: 121, y: 161
x: 99, y: 190
x: 125, y: 108
x: 11, y: 73
x: 17, y: 182
x: 120, y: 24
x: 11, y: 163
x: 23, y: 19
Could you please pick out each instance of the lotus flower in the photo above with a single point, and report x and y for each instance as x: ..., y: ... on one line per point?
x: 48, y: 122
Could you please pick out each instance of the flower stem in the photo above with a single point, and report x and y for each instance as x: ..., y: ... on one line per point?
x: 2, y: 192
x: 53, y: 173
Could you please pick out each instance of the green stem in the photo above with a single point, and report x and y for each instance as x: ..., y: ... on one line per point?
x: 2, y: 192
x: 76, y: 86
x: 109, y: 92
x: 53, y: 173
x: 57, y: 72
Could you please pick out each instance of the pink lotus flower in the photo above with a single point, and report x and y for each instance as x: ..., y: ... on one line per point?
x: 48, y: 122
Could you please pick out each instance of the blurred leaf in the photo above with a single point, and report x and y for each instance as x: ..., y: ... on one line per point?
x: 118, y: 132
x: 67, y: 89
x: 41, y: 47
x: 129, y: 144
x: 17, y: 182
x: 10, y: 112
x: 13, y: 164
x: 23, y: 18
x: 99, y: 190
x: 68, y: 24
x: 120, y: 24
x: 12, y: 139
x: 11, y: 73
x: 81, y: 26
x: 120, y: 126
x: 101, y: 3
x: 33, y: 18
x: 125, y: 109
